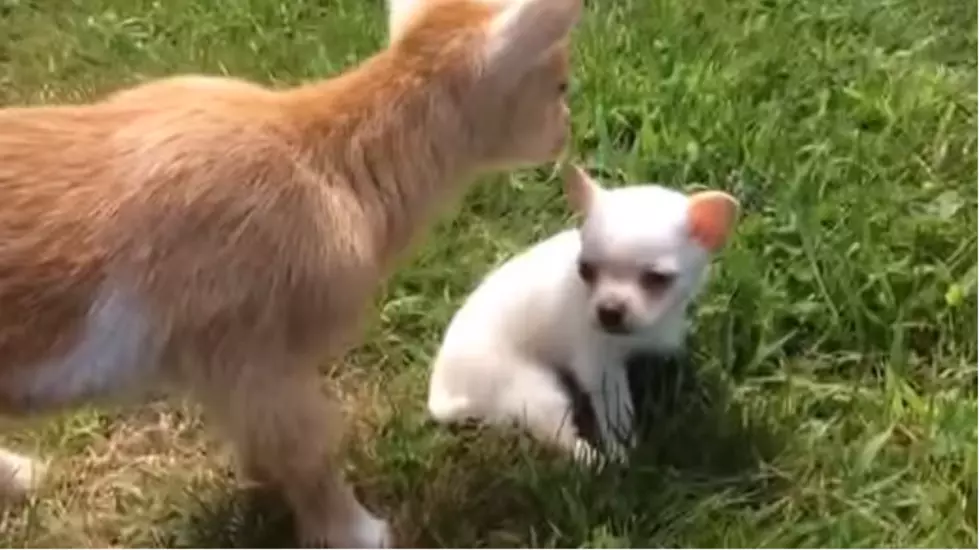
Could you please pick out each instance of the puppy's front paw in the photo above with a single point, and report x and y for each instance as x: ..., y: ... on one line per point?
x: 586, y: 454
x: 618, y: 453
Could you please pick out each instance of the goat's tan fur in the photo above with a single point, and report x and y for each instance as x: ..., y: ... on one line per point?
x: 238, y: 232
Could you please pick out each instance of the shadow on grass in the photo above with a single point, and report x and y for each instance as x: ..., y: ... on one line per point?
x: 474, y: 487
x: 700, y: 454
x: 688, y: 422
x: 235, y: 518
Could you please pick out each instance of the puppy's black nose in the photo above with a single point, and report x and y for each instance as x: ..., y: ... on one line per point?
x: 612, y: 317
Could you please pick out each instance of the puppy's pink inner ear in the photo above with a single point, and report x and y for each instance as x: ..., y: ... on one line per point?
x: 712, y: 215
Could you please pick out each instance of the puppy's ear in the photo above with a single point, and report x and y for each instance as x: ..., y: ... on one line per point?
x: 522, y: 32
x: 711, y: 216
x: 579, y: 188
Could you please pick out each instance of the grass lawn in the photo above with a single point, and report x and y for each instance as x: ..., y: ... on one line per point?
x: 836, y: 342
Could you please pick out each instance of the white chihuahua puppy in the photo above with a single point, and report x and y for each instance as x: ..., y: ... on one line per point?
x: 581, y: 301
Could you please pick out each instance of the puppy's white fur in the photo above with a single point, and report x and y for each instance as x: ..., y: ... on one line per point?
x: 538, y: 312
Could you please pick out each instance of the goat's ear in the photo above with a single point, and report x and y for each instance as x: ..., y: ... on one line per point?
x: 580, y: 189
x: 399, y: 16
x: 712, y: 216
x: 522, y: 32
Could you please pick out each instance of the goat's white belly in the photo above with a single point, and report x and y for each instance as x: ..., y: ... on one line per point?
x: 116, y: 355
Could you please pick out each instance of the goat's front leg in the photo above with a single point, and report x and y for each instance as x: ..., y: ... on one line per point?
x: 287, y: 434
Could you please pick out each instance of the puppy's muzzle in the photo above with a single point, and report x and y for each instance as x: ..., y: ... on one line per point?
x: 612, y: 317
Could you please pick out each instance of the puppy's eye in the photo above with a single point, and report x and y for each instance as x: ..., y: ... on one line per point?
x: 562, y: 88
x: 587, y: 271
x: 654, y: 282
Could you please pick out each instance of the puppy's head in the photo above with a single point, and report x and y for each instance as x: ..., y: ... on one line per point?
x: 645, y: 248
x: 513, y: 56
